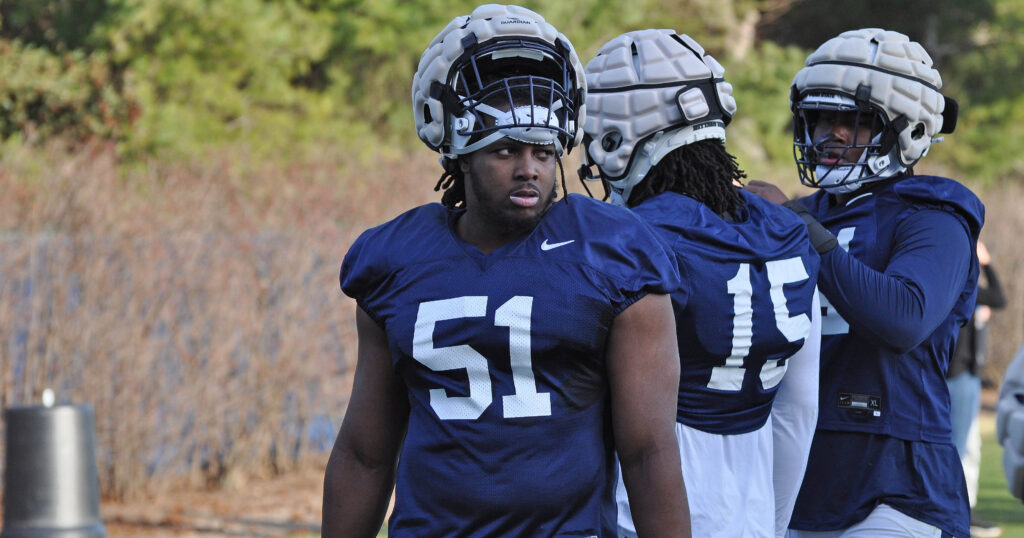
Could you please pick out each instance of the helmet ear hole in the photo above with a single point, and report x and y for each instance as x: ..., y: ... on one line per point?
x: 918, y: 131
x: 611, y: 141
x: 427, y: 117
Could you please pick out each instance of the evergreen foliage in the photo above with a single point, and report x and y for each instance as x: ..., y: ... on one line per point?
x: 177, y: 77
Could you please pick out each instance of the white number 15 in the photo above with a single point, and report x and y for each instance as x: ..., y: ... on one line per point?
x: 780, y: 272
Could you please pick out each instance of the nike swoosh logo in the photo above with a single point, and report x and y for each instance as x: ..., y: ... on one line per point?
x: 548, y: 246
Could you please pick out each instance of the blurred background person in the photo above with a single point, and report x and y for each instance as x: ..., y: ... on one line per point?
x: 1010, y: 424
x: 965, y: 383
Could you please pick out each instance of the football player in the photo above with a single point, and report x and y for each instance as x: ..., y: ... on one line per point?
x: 1010, y: 424
x: 963, y: 378
x: 898, y: 279
x: 746, y: 316
x: 507, y: 342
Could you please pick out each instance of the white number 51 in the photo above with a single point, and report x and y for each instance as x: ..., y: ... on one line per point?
x: 514, y: 314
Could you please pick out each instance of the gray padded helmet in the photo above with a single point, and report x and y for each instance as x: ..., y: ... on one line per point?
x: 889, y: 81
x: 651, y: 91
x: 500, y: 71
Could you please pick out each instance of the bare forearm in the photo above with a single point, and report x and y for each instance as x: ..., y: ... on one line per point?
x: 361, y: 471
x: 355, y: 495
x: 653, y: 480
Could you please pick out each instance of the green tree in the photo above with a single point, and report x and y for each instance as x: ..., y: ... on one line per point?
x: 943, y: 27
x: 987, y: 80
x: 208, y: 71
x: 55, y: 25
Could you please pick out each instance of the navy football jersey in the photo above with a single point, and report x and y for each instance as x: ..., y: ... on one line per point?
x: 879, y: 372
x: 743, y: 308
x: 503, y: 356
x: 894, y: 295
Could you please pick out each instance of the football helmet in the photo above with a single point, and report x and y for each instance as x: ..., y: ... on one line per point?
x: 651, y: 91
x: 501, y: 71
x: 877, y: 83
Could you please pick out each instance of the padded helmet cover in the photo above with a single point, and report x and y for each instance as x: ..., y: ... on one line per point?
x: 903, y: 84
x: 651, y: 91
x: 447, y: 88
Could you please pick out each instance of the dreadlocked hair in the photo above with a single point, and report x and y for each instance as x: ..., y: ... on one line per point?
x: 453, y: 182
x: 704, y: 171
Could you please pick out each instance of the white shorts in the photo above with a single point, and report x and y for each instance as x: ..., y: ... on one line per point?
x: 728, y: 484
x: 884, y: 521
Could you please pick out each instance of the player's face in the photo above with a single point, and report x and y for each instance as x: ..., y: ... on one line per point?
x: 510, y: 184
x: 834, y: 131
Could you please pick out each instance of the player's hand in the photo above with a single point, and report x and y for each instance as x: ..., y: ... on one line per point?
x: 983, y: 256
x: 767, y: 191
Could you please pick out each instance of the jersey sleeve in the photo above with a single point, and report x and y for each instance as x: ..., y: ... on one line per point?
x: 925, y: 276
x: 363, y: 271
x: 638, y: 263
x: 622, y: 253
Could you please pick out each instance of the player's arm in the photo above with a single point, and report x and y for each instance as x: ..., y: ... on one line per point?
x: 904, y: 304
x: 361, y: 470
x: 794, y: 417
x: 930, y: 261
x: 643, y: 371
x: 991, y: 294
